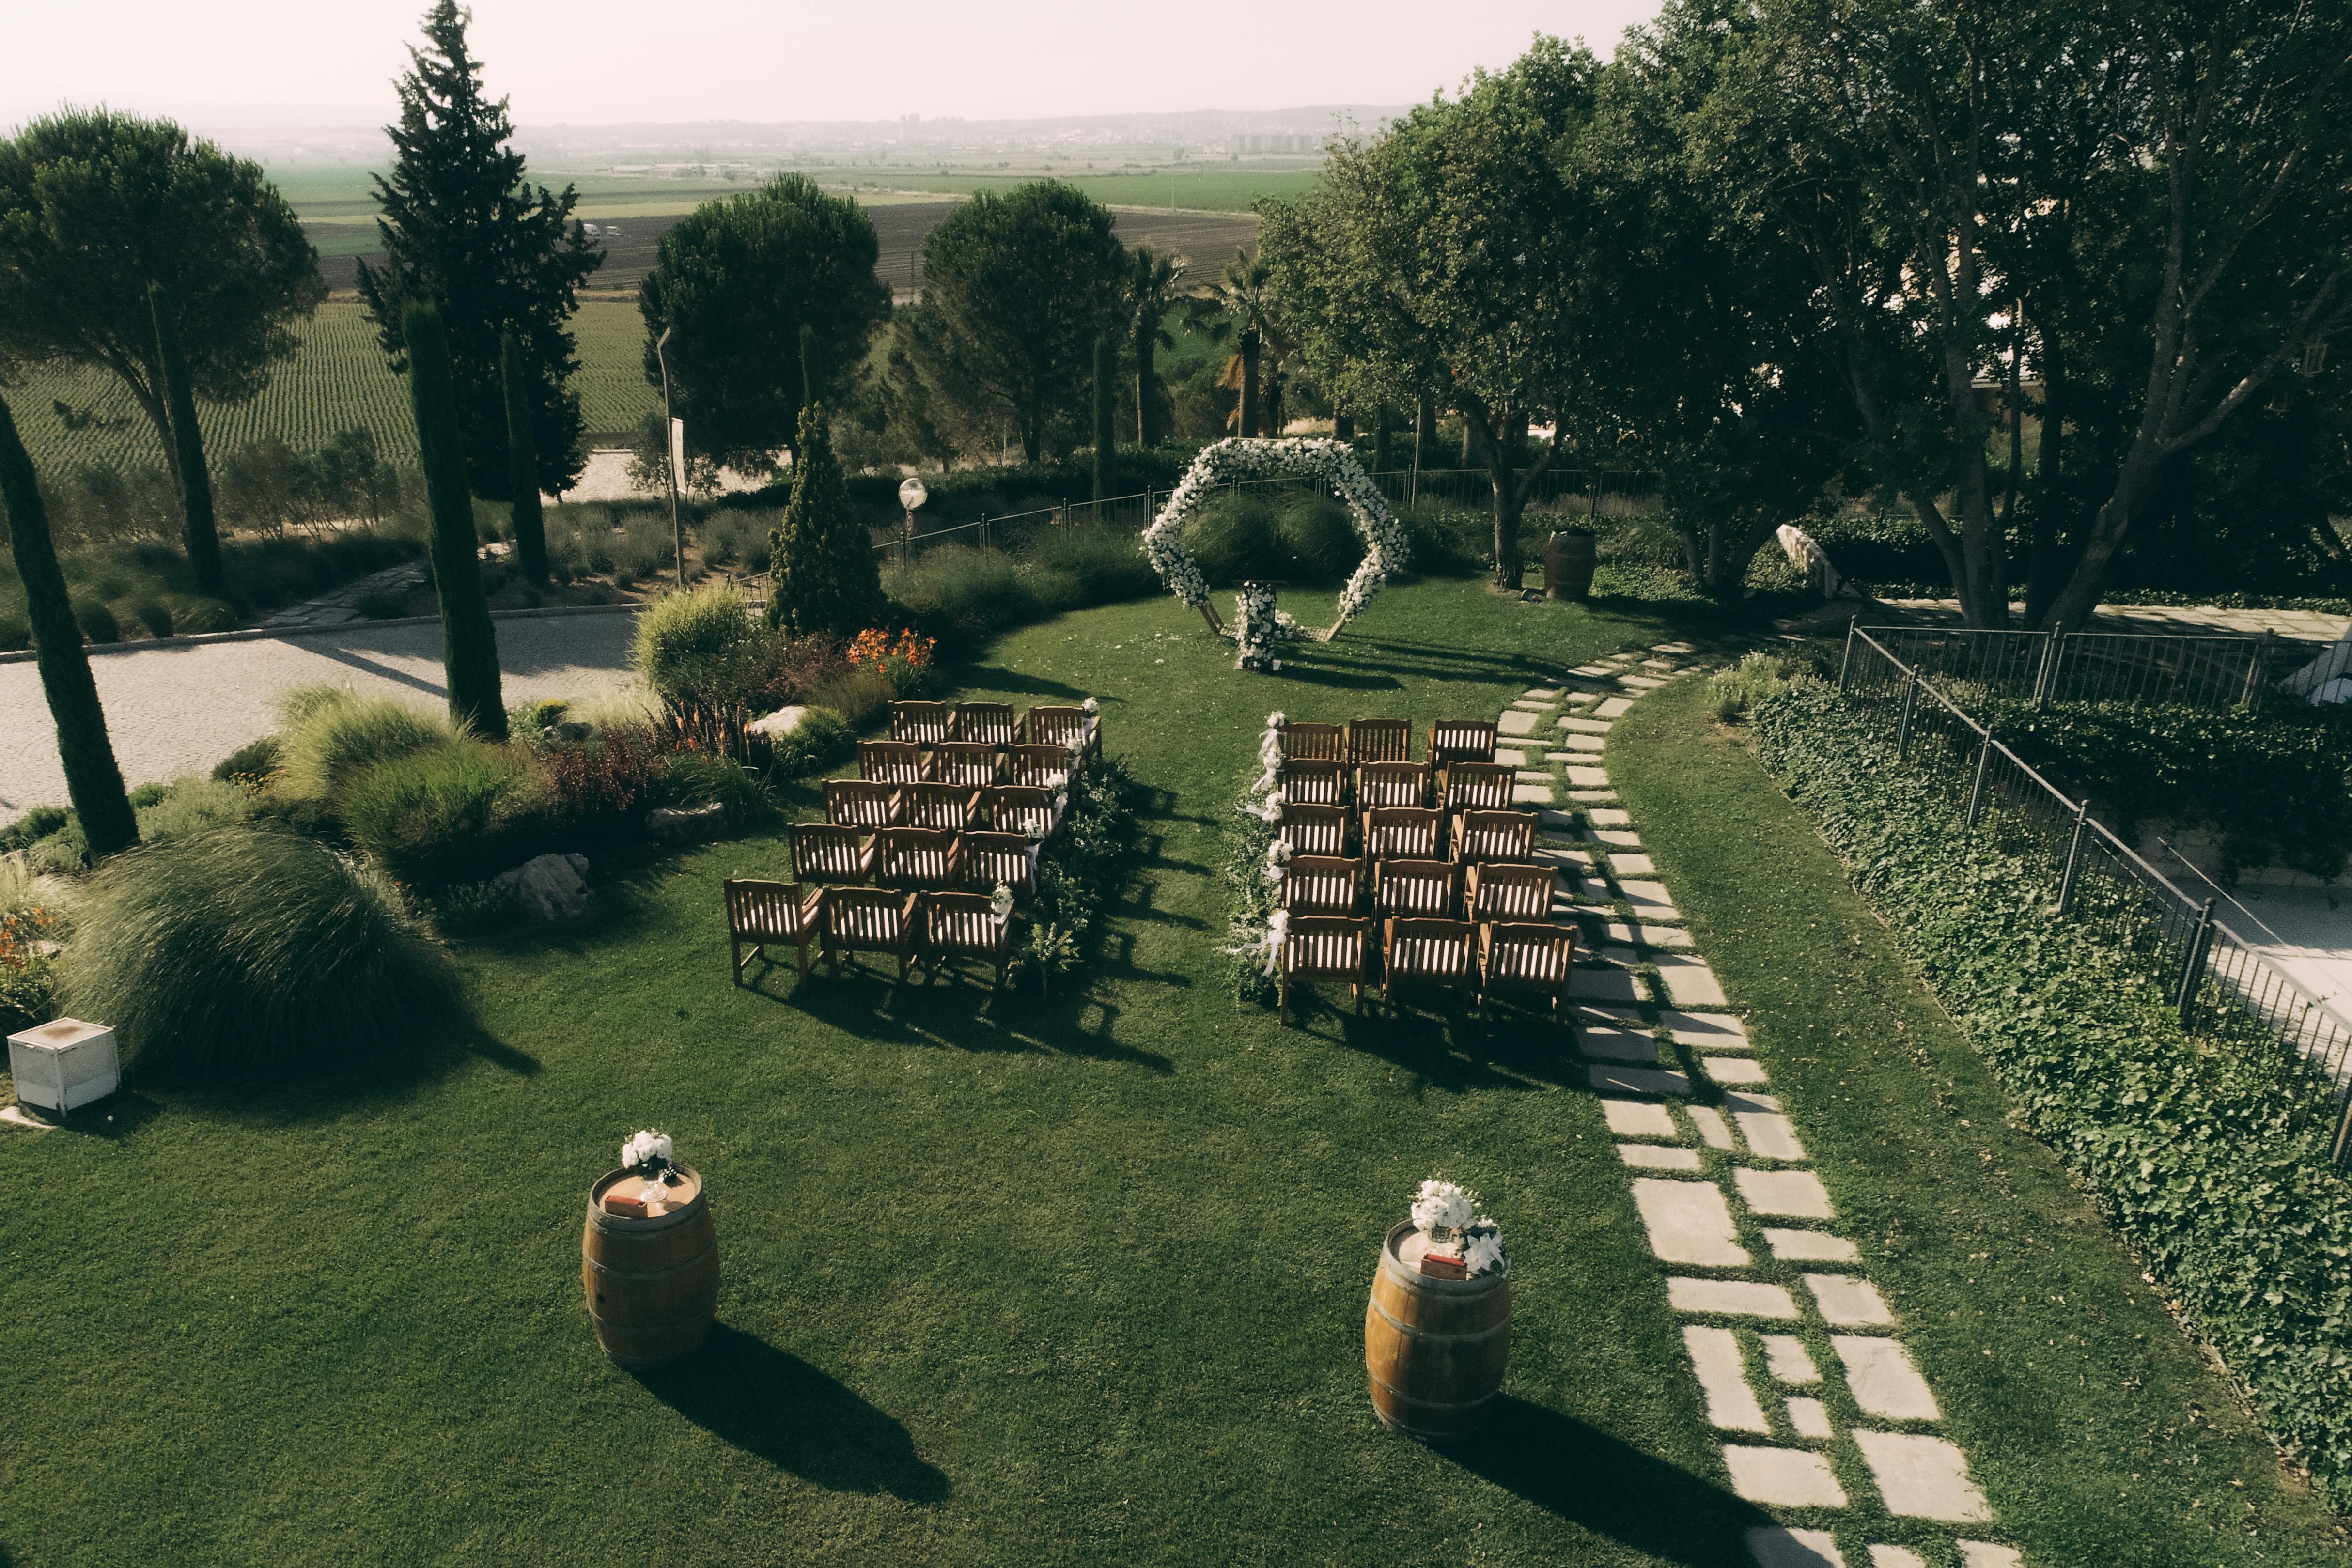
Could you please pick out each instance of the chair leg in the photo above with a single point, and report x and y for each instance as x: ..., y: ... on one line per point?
x: 735, y: 958
x: 803, y: 945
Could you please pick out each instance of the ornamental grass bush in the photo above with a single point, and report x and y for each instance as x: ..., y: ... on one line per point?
x: 459, y: 812
x: 331, y: 736
x: 249, y: 947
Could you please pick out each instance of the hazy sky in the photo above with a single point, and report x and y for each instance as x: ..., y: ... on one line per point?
x: 219, y: 63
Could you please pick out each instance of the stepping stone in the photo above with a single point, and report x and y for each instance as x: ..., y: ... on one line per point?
x: 1525, y: 706
x: 1594, y: 672
x: 1689, y: 983
x: 1783, y: 1478
x: 1730, y: 1297
x: 1591, y: 797
x: 1922, y: 1477
x: 1580, y: 861
x: 1706, y: 1031
x: 1583, y: 697
x: 1849, y: 1303
x: 1770, y: 1135
x: 1639, y: 1119
x: 1786, y: 1358
x: 1672, y: 938
x: 1632, y: 865
x: 1612, y: 707
x: 1810, y: 1246
x: 1885, y: 1382
x: 1619, y: 1045
x: 1518, y: 721
x: 1607, y: 818
x: 1723, y: 1378
x: 1589, y: 777
x: 1665, y: 666
x: 1648, y: 898
x: 1985, y: 1555
x: 1640, y: 683
x: 1637, y: 1081
x: 1651, y: 1158
x: 1531, y: 794
x: 1615, y: 837
x: 1786, y: 1195
x: 1896, y: 1557
x: 1535, y: 776
x: 1559, y: 757
x: 1713, y: 1131
x: 1592, y: 744
x: 1811, y: 1417
x: 1585, y: 725
x: 1689, y: 1222
x: 1732, y: 1071
x: 1602, y: 986
x: 1773, y: 1546
x: 1539, y: 694
x: 1682, y: 650
x: 1556, y: 822
x: 1510, y: 758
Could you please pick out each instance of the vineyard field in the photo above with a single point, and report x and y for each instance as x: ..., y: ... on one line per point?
x: 338, y: 380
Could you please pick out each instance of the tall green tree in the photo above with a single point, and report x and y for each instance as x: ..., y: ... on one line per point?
x: 469, y: 642
x: 97, y: 206
x: 822, y: 570
x: 1105, y: 442
x: 462, y: 228
x: 93, y: 782
x: 737, y: 282
x: 1239, y: 306
x: 1155, y: 285
x: 198, y: 530
x: 523, y: 464
x: 1015, y: 289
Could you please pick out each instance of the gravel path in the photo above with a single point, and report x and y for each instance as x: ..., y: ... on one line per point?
x: 182, y: 707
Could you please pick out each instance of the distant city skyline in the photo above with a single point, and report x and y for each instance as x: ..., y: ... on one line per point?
x: 261, y: 64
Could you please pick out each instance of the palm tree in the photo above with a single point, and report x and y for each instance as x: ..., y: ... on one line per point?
x: 1240, y: 305
x: 1152, y: 283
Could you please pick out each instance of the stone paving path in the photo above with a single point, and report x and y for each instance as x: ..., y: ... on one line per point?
x: 175, y: 707
x: 1804, y: 1373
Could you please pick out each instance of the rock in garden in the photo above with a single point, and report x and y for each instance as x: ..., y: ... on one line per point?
x: 686, y: 821
x: 570, y: 730
x: 553, y: 887
x: 779, y: 724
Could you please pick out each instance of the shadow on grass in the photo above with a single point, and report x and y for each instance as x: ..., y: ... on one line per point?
x: 1441, y: 1043
x: 957, y: 1013
x: 996, y: 678
x: 777, y: 1407
x: 1608, y: 1487
x: 325, y: 1089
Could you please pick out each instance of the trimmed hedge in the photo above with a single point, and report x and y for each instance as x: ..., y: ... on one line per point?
x: 2189, y: 1146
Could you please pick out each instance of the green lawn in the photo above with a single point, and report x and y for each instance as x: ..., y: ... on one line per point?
x: 1078, y: 1280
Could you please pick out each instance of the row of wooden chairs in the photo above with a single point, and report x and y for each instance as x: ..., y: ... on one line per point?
x: 1468, y: 957
x: 869, y: 805
x: 1409, y: 833
x: 931, y: 928
x: 1419, y: 889
x: 972, y: 763
x: 1454, y: 788
x: 1362, y: 740
x: 915, y: 858
x: 930, y: 725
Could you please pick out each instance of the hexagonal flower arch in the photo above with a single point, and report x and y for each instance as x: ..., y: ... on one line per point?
x: 1331, y: 462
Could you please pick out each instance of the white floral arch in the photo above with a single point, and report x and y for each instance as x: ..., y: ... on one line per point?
x: 1329, y: 462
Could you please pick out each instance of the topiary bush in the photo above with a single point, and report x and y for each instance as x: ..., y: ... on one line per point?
x: 1320, y: 537
x: 339, y: 737
x: 459, y: 812
x: 249, y: 947
x: 1234, y: 538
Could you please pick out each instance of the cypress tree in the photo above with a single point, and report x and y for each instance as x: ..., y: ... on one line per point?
x: 822, y: 566
x: 469, y: 647
x: 93, y: 782
x: 197, y: 529
x: 1106, y: 407
x: 523, y: 464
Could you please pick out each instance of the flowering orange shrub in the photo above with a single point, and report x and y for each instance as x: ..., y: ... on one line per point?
x: 21, y: 931
x: 873, y: 646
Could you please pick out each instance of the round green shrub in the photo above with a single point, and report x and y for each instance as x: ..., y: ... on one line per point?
x: 685, y: 639
x: 195, y: 613
x: 459, y: 812
x: 701, y: 778
x: 97, y: 622
x: 15, y: 634
x: 320, y: 754
x: 1321, y: 537
x: 153, y: 614
x: 247, y: 948
x: 821, y: 736
x: 189, y: 806
x: 1234, y: 538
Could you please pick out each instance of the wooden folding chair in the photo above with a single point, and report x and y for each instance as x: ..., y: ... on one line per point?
x: 1038, y: 767
x: 1321, y: 947
x: 928, y: 858
x: 1020, y: 808
x: 964, y: 925
x: 1428, y: 953
x: 1392, y: 784
x: 922, y: 724
x: 1415, y: 889
x: 1407, y: 832
x: 823, y: 852
x: 968, y: 763
x: 1378, y: 740
x: 759, y: 912
x: 889, y: 761
x: 1525, y: 955
x: 1008, y: 858
x: 1314, y: 829
x: 1499, y: 891
x: 1476, y: 787
x: 1460, y: 740
x: 1321, y: 885
x: 1053, y: 725
x: 1313, y: 742
x: 869, y: 920
x: 1493, y: 836
x: 934, y: 805
x: 1312, y: 782
x: 987, y: 724
x: 863, y: 804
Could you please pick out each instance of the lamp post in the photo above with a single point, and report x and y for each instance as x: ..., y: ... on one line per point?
x: 673, y: 455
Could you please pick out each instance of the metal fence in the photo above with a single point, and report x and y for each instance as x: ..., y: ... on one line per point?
x: 2224, y: 990
x: 2094, y: 666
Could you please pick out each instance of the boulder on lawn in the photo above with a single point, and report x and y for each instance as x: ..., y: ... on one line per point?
x: 679, y: 823
x: 570, y: 730
x: 553, y: 887
x: 779, y: 724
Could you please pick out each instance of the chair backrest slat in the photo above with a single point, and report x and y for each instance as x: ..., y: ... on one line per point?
x: 1495, y: 836
x: 987, y: 724
x: 1313, y: 742
x: 1392, y: 784
x: 1526, y: 953
x: 1039, y: 767
x: 922, y: 724
x: 1314, y: 781
x: 862, y: 803
x: 1312, y: 830
x: 1479, y: 787
x: 1460, y: 740
x: 1430, y: 949
x: 1324, y: 944
x: 1321, y: 885
x: 825, y: 850
x: 764, y: 911
x: 1378, y: 740
x: 969, y: 763
x: 1498, y: 891
x: 1408, y: 833
x: 1420, y: 888
x: 934, y: 805
x: 889, y: 761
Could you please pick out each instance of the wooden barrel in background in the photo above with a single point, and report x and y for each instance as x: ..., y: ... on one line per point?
x: 1435, y: 1349
x: 652, y: 1284
x: 1568, y: 560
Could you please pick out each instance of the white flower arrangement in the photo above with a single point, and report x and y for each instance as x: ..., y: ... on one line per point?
x: 647, y: 1150
x: 1275, y: 720
x: 1000, y: 903
x: 1092, y: 707
x: 1255, y: 629
x: 1446, y: 1208
x: 1330, y: 462
x: 1483, y: 1251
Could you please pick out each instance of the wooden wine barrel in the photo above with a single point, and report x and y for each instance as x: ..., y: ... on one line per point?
x: 1568, y: 560
x: 652, y: 1284
x: 1435, y: 1349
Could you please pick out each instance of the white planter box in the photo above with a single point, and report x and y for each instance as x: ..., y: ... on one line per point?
x: 64, y: 1064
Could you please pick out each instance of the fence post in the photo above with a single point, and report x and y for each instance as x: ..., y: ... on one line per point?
x: 1847, y: 663
x: 1903, y: 728
x: 2048, y: 674
x: 1976, y: 785
x: 2255, y: 670
x: 2073, y: 858
x: 2343, y: 1141
x: 2192, y: 969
